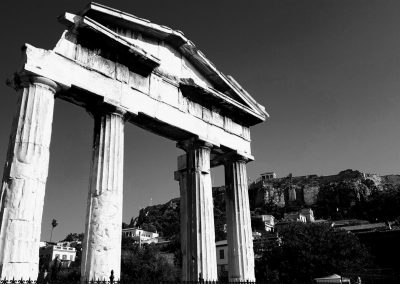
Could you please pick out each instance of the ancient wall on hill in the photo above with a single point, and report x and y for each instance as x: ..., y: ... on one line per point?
x: 303, y: 190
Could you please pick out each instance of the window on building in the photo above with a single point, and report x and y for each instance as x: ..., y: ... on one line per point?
x: 71, y: 257
x: 64, y: 257
x: 221, y: 254
x: 57, y: 255
x: 221, y: 268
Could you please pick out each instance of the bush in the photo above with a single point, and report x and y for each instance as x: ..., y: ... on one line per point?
x: 146, y: 263
x: 311, y: 250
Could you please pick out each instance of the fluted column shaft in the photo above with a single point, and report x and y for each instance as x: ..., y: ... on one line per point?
x: 102, y: 242
x: 198, y: 247
x: 24, y: 179
x: 240, y: 243
x: 181, y: 177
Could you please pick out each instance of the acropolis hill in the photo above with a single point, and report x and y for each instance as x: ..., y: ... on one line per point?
x: 347, y: 190
x: 303, y: 190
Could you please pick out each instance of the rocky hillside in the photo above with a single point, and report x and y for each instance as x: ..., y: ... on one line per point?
x: 164, y: 218
x: 349, y: 194
x: 331, y: 197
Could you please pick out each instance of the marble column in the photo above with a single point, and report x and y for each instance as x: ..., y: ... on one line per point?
x: 240, y: 243
x: 102, y: 242
x: 198, y: 246
x: 24, y: 179
x: 181, y: 177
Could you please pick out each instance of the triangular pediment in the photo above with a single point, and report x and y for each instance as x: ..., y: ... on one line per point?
x: 168, y: 52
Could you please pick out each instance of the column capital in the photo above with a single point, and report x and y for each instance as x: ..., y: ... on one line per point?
x: 19, y: 81
x: 231, y: 157
x: 194, y: 143
x: 102, y: 108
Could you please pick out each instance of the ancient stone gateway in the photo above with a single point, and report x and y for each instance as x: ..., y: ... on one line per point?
x: 121, y: 68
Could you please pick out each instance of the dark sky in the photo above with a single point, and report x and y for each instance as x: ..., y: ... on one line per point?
x: 327, y: 72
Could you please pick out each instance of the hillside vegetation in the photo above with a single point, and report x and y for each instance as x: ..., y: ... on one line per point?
x: 350, y: 194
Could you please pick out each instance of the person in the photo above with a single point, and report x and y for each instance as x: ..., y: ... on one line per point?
x: 46, y: 277
x: 358, y: 281
x: 112, y: 277
x: 55, y: 267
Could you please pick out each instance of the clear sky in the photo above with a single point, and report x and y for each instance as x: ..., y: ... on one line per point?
x: 327, y: 72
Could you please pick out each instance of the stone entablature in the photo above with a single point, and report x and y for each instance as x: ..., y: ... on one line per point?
x: 200, y: 96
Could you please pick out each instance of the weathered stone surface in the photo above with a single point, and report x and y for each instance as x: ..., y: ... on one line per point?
x: 24, y: 180
x: 240, y: 243
x: 304, y: 190
x: 310, y: 194
x: 198, y: 245
x: 135, y: 100
x: 292, y: 194
x: 163, y: 83
x: 181, y: 177
x: 102, y: 243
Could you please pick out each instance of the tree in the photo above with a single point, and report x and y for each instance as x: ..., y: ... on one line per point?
x: 145, y: 263
x: 74, y: 237
x: 163, y: 218
x: 53, y: 225
x: 361, y: 200
x: 132, y: 223
x: 219, y: 213
x: 343, y: 199
x: 311, y: 250
x: 384, y: 205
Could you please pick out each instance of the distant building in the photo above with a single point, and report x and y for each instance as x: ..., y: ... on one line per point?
x: 265, y: 223
x: 140, y: 236
x: 349, y: 222
x: 309, y: 214
x: 304, y: 215
x: 268, y: 176
x: 361, y: 226
x: 222, y: 258
x: 295, y: 217
x: 72, y: 244
x: 65, y: 254
x: 296, y: 191
x: 256, y: 235
x: 221, y: 248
